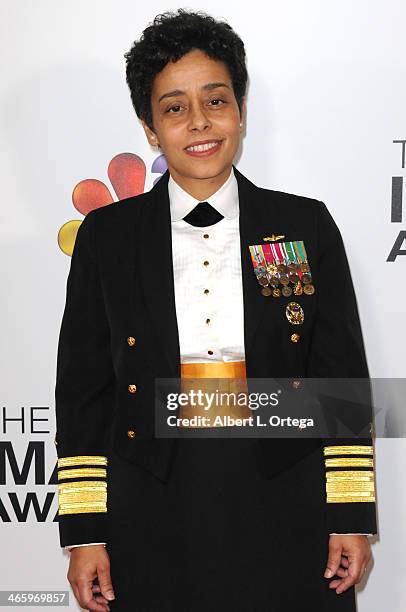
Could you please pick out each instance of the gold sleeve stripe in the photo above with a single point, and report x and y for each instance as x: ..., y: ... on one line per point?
x: 350, y: 496
x: 82, y: 460
x: 82, y: 473
x: 348, y: 475
x: 343, y: 487
x: 81, y: 497
x: 83, y: 508
x: 349, y: 450
x: 350, y: 462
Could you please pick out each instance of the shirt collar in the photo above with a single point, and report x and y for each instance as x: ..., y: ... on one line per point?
x: 224, y: 200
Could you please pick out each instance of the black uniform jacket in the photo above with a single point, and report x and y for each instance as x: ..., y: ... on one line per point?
x: 119, y: 332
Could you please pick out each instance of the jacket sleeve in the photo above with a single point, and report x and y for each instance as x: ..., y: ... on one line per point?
x: 84, y: 398
x: 337, y: 352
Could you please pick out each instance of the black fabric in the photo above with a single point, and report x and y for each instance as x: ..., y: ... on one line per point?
x: 203, y: 214
x: 217, y: 537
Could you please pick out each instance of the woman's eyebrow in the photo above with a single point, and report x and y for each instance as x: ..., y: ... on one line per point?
x: 179, y: 92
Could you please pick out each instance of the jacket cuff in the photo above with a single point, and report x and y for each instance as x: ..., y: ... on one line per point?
x: 82, y: 529
x: 358, y: 517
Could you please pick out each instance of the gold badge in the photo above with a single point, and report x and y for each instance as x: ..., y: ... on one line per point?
x: 273, y: 238
x: 294, y: 313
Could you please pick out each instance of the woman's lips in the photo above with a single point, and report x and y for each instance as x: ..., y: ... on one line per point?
x: 207, y: 152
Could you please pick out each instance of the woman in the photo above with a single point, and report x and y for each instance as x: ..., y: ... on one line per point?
x: 205, y: 276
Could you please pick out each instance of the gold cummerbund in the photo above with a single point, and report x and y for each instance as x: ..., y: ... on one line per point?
x: 228, y: 377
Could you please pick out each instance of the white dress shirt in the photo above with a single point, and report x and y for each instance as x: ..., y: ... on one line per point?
x: 209, y: 298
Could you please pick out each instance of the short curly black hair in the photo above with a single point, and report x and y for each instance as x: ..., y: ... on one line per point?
x: 168, y: 38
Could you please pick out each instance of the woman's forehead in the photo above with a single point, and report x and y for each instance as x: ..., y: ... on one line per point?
x: 195, y: 70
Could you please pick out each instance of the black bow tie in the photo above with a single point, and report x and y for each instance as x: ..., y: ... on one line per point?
x: 203, y: 214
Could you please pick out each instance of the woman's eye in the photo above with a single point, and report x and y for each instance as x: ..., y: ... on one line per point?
x: 176, y: 106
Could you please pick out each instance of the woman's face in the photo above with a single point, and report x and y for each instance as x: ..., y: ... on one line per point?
x: 193, y: 102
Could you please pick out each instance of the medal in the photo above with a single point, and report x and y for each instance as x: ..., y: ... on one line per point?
x: 263, y: 280
x: 272, y: 268
x: 282, y: 268
x: 309, y: 289
x: 293, y: 267
x: 260, y: 268
x: 286, y: 291
x: 298, y: 290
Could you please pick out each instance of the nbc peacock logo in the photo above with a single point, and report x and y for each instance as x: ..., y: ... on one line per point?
x: 126, y: 173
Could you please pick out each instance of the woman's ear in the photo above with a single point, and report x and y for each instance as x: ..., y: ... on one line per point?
x: 150, y: 134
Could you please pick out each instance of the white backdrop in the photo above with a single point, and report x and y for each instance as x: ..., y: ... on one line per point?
x: 325, y: 103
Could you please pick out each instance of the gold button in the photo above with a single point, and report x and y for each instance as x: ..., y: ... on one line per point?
x: 130, y: 341
x: 55, y: 441
x: 207, y: 321
x: 206, y: 263
x: 205, y: 235
x: 131, y: 433
x: 296, y: 384
x: 295, y: 337
x: 132, y: 388
x: 206, y: 291
x: 210, y: 352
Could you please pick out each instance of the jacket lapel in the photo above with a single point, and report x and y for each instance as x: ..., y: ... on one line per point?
x: 252, y: 229
x: 155, y: 268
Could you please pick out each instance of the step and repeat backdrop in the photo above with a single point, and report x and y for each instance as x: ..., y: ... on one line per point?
x: 326, y: 119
